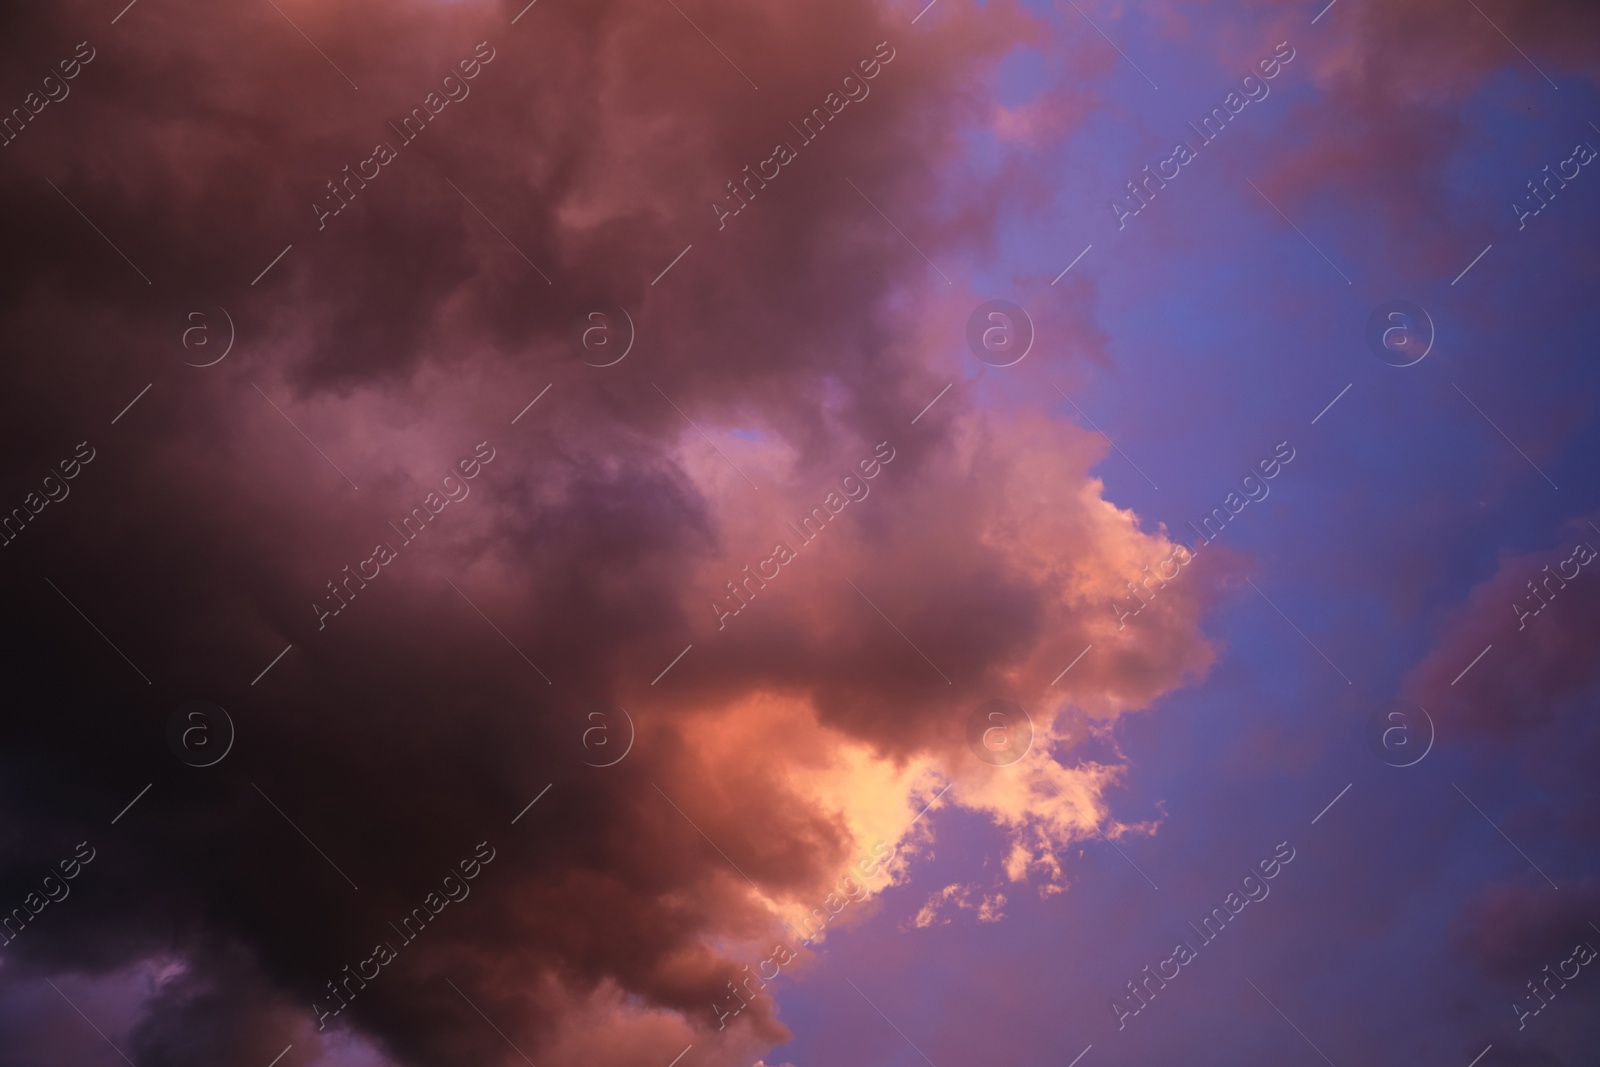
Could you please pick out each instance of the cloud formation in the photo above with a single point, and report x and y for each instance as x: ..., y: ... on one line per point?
x: 230, y: 507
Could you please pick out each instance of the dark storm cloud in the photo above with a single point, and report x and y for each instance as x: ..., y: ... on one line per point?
x: 379, y: 348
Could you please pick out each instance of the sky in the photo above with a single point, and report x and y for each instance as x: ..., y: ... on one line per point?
x: 683, y: 534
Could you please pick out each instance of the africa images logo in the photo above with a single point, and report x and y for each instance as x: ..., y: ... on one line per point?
x: 811, y: 126
x: 1143, y: 190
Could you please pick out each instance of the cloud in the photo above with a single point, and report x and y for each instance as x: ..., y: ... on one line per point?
x: 990, y: 907
x: 1535, y: 626
x: 1511, y: 930
x: 399, y: 339
x: 1389, y: 132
